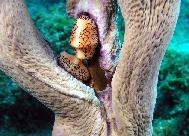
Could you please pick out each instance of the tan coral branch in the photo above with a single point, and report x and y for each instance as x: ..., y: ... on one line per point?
x: 149, y: 27
x: 27, y: 58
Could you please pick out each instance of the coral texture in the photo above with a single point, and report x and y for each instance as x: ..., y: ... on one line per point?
x: 28, y: 59
x: 149, y: 28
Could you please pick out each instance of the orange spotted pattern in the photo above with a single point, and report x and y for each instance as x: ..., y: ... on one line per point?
x: 74, y: 66
x: 84, y: 37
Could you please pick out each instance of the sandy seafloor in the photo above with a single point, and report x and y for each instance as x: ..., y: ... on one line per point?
x: 23, y: 115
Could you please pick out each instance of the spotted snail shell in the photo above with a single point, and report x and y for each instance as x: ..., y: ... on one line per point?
x: 84, y: 40
x: 74, y: 66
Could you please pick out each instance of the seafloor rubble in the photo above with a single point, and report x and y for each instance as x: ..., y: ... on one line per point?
x: 23, y: 115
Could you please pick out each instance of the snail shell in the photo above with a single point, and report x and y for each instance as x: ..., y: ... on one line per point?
x: 84, y: 38
x: 74, y: 66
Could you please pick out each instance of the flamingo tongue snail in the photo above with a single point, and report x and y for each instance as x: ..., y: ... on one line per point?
x: 74, y: 66
x: 84, y: 39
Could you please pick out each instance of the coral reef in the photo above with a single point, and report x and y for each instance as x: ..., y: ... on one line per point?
x: 171, y: 117
x: 20, y: 113
x: 50, y: 20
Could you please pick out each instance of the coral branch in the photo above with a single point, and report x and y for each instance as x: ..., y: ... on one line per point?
x: 149, y: 28
x: 27, y: 58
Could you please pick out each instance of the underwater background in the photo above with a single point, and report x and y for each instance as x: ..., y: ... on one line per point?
x: 23, y: 115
